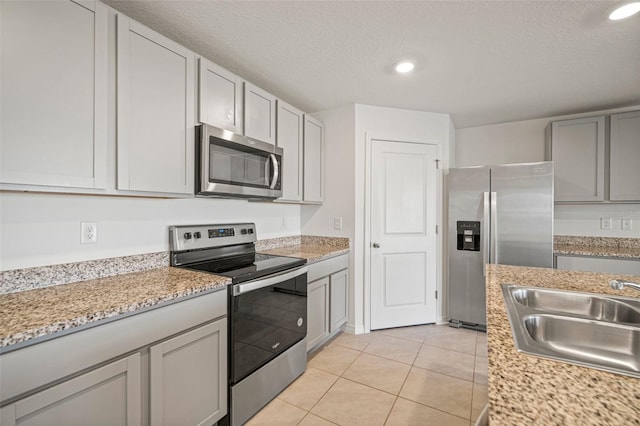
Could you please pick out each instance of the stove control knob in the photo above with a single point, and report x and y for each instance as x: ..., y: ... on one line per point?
x: 197, y: 235
x: 187, y: 235
x: 243, y: 231
x: 250, y: 230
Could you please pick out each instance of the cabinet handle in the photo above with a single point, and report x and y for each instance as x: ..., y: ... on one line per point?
x: 376, y: 245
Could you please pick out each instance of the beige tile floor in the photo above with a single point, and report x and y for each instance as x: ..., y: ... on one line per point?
x: 422, y: 375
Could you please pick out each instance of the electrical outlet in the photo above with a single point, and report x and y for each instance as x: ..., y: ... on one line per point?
x: 605, y: 223
x: 626, y: 224
x: 89, y: 233
x: 337, y: 223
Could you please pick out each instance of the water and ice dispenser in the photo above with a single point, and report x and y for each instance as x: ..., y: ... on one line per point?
x: 468, y: 235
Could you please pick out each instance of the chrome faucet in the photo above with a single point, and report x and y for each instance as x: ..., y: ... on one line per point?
x: 619, y: 284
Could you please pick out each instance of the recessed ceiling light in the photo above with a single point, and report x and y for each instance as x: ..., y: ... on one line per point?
x: 625, y: 11
x: 404, y: 67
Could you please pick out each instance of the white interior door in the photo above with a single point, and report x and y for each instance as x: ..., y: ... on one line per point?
x: 403, y: 237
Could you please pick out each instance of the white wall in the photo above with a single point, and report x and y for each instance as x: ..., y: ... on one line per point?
x: 44, y: 229
x: 374, y: 122
x: 339, y: 179
x: 347, y: 130
x: 523, y: 141
x: 339, y: 184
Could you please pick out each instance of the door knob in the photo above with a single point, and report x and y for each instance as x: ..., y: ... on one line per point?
x: 376, y: 245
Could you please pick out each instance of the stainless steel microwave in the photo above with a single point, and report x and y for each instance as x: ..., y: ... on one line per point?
x: 230, y: 165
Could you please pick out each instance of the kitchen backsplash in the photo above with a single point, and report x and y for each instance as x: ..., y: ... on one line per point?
x: 16, y: 280
x: 45, y: 276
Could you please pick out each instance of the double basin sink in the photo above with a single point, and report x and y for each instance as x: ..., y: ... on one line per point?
x: 591, y: 330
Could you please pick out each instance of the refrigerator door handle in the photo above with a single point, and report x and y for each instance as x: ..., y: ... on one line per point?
x: 486, y: 231
x: 493, y: 250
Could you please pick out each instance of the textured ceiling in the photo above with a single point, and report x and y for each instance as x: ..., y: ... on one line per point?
x: 482, y: 62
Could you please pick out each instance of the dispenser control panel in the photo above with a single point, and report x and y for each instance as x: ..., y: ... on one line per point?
x: 468, y: 235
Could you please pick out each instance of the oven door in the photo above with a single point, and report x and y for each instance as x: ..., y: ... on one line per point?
x: 235, y: 166
x: 267, y: 317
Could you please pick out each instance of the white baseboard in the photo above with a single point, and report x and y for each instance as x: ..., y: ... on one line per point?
x: 354, y: 329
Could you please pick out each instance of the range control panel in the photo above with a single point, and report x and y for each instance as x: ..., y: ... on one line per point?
x: 191, y: 237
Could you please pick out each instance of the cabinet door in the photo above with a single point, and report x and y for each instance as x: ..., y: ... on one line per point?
x: 155, y: 111
x: 578, y: 154
x: 290, y: 129
x: 220, y: 97
x: 108, y: 395
x: 625, y: 156
x: 188, y: 377
x: 317, y: 312
x: 339, y: 299
x: 313, y: 160
x: 54, y: 93
x: 259, y: 114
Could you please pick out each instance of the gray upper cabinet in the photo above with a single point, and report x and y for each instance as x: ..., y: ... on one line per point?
x: 155, y: 111
x: 53, y: 87
x: 220, y: 97
x: 259, y: 114
x: 577, y: 148
x: 290, y: 129
x: 108, y: 395
x: 625, y: 157
x: 313, y: 161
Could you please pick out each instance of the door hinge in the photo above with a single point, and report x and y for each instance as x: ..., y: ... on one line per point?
x: 436, y: 229
x: 437, y: 164
x: 436, y: 294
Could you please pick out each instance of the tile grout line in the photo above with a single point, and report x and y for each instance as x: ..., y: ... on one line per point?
x: 411, y: 365
x: 330, y: 387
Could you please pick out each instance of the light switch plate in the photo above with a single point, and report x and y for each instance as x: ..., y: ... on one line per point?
x: 337, y: 223
x: 626, y: 224
x: 605, y: 223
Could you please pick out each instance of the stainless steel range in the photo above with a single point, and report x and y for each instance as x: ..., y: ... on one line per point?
x: 267, y: 310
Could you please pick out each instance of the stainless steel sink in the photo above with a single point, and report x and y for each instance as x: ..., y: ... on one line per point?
x: 585, y: 305
x: 592, y: 330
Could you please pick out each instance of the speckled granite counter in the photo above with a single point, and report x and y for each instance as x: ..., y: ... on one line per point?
x: 37, y: 305
x: 624, y: 248
x: 312, y: 248
x: 527, y: 390
x: 31, y: 314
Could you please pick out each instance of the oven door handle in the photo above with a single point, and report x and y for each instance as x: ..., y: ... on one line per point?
x: 239, y: 289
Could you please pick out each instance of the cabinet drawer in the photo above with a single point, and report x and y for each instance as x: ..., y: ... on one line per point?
x: 327, y: 267
x: 598, y: 264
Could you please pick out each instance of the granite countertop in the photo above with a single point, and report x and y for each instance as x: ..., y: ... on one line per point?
x: 41, y: 301
x: 311, y: 248
x: 35, y: 313
x: 525, y: 389
x: 623, y: 248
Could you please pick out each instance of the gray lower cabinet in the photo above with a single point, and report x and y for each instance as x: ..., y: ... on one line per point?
x: 317, y: 312
x: 598, y: 264
x: 108, y: 395
x: 327, y: 299
x: 339, y: 290
x: 188, y: 377
x: 165, y: 366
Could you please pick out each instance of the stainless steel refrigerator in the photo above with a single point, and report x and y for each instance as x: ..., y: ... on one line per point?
x: 498, y: 214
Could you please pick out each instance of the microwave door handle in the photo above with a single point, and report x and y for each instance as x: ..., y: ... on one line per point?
x: 276, y: 171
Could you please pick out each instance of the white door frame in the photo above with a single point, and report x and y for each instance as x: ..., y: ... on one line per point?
x: 367, y: 222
